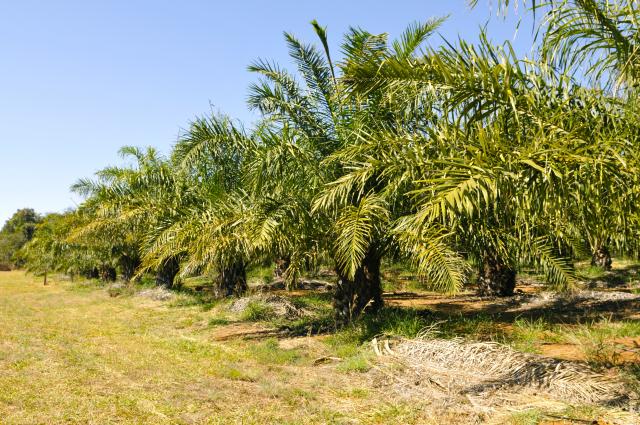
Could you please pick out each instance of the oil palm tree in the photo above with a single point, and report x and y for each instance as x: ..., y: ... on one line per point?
x: 208, y: 231
x: 508, y: 143
x: 321, y: 132
x: 51, y: 250
x: 600, y: 36
x: 136, y: 202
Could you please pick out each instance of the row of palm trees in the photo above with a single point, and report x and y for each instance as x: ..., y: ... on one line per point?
x: 456, y: 157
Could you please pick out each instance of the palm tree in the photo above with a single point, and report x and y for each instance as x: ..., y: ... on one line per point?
x: 136, y: 202
x: 599, y: 39
x: 322, y: 133
x: 42, y: 253
x: 600, y: 35
x: 504, y: 146
x: 208, y: 231
x: 51, y: 250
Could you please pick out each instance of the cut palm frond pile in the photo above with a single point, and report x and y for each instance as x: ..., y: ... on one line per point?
x: 560, y: 301
x: 486, y: 376
x: 271, y: 306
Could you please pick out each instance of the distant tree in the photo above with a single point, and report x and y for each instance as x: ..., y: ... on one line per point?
x: 54, y: 248
x: 43, y: 253
x: 16, y: 232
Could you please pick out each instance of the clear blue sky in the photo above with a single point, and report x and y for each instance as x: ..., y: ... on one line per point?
x: 79, y: 79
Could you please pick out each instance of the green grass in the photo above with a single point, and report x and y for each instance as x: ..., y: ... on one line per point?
x: 528, y: 417
x: 591, y: 272
x: 257, y: 311
x: 129, y: 359
x: 71, y: 354
x: 527, y: 334
x: 269, y: 352
x: 400, y: 277
x: 389, y: 321
x: 218, y: 321
x: 359, y: 363
x: 260, y: 274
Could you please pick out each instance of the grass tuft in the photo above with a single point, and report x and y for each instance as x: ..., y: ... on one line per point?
x: 257, y: 311
x: 359, y: 363
x: 269, y: 352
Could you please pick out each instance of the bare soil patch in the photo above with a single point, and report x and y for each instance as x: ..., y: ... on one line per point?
x: 243, y: 330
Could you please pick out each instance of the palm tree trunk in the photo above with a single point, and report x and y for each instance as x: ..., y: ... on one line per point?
x: 282, y: 264
x: 601, y: 258
x: 166, y: 273
x: 91, y: 273
x: 128, y: 265
x: 107, y: 273
x: 496, y: 277
x: 351, y: 296
x: 232, y: 280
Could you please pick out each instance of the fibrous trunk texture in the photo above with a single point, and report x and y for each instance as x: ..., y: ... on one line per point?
x: 282, y: 264
x: 496, y: 277
x: 166, y: 273
x: 128, y: 265
x: 107, y: 273
x: 602, y: 258
x: 232, y: 280
x: 351, y: 296
x: 92, y: 273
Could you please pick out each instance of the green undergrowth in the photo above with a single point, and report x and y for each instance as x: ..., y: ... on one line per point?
x: 269, y: 352
x: 257, y: 311
x: 260, y: 275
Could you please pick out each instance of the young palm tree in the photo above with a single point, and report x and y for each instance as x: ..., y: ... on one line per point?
x: 208, y: 232
x: 50, y: 250
x: 505, y: 145
x: 599, y: 39
x: 321, y: 131
x: 136, y: 202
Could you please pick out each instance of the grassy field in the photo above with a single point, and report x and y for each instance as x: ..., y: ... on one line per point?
x: 71, y: 353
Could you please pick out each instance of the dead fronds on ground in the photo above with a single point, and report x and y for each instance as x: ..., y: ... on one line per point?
x: 268, y: 304
x: 490, y: 379
x: 159, y: 293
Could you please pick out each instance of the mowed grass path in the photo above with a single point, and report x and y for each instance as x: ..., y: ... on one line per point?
x: 69, y: 353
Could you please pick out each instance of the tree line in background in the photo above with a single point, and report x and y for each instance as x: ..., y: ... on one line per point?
x: 463, y: 159
x: 15, y: 233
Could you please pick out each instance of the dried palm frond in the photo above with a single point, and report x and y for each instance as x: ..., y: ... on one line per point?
x: 486, y: 369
